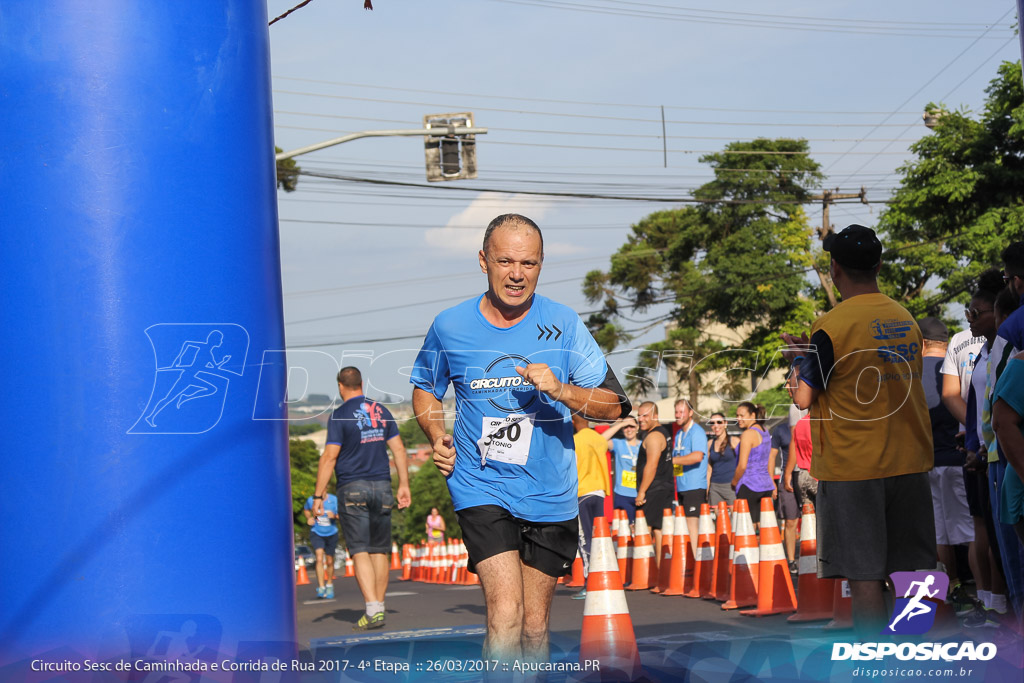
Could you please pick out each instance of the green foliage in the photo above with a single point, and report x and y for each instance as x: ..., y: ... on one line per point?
x: 429, y: 489
x: 411, y: 434
x: 287, y: 173
x: 739, y: 258
x: 304, y: 428
x: 305, y: 459
x: 959, y: 202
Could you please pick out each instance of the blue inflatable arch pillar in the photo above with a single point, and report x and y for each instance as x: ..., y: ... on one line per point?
x: 144, y: 494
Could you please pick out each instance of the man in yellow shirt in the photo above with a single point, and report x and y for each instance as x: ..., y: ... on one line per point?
x: 594, y: 484
x: 860, y: 374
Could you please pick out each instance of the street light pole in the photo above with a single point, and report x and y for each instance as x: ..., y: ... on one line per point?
x: 434, y: 131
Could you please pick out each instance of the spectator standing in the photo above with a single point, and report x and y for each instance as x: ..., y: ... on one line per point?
x: 690, y: 466
x: 623, y: 441
x: 953, y: 525
x: 722, y: 455
x: 657, y: 488
x: 874, y: 514
x: 752, y: 479
x: 594, y: 485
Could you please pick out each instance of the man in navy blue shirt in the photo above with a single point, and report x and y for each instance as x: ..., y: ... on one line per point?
x: 359, y: 435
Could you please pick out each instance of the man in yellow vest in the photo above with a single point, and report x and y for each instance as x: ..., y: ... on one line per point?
x: 860, y: 374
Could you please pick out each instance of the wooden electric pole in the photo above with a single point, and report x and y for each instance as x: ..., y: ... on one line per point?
x: 827, y: 198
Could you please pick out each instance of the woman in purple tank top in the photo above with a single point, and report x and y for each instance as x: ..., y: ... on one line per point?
x: 753, y: 480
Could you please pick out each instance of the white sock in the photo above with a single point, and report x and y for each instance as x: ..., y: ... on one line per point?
x: 984, y: 597
x: 998, y: 603
x: 374, y: 608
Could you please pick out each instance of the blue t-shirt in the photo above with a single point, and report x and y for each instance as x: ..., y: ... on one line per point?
x: 625, y: 467
x: 693, y: 476
x: 528, y: 467
x: 362, y: 428
x: 324, y: 525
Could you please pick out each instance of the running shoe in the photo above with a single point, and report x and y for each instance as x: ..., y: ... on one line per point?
x: 366, y: 622
x: 329, y: 592
x: 320, y: 592
x: 961, y: 600
x: 981, y: 618
x: 580, y: 596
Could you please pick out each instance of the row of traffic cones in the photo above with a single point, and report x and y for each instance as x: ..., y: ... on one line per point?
x: 302, y: 575
x: 731, y: 564
x: 445, y: 563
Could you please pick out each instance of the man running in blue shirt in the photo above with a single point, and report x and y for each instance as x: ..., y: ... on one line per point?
x: 520, y: 365
x: 323, y: 536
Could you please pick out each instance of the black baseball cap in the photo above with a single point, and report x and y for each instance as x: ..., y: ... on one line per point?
x: 933, y: 329
x: 855, y: 247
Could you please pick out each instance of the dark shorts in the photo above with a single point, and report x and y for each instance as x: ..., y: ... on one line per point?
x: 691, y: 501
x: 548, y: 547
x: 976, y: 486
x: 869, y: 529
x: 753, y: 499
x: 657, y: 502
x: 627, y: 503
x: 787, y: 505
x: 326, y: 543
x: 364, y: 508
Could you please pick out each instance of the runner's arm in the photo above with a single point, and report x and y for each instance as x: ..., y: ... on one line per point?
x: 654, y: 444
x: 603, y: 403
x: 430, y: 416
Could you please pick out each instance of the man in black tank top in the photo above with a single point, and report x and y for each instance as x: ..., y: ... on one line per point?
x: 656, y: 484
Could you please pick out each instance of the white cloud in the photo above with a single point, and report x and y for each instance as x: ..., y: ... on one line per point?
x: 455, y: 238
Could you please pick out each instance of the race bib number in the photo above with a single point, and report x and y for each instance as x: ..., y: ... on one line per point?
x: 506, y: 439
x: 677, y: 470
x: 629, y: 479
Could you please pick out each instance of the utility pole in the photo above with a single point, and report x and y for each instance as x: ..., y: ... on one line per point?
x: 827, y: 198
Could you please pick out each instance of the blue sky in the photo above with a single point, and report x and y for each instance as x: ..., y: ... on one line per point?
x: 571, y: 92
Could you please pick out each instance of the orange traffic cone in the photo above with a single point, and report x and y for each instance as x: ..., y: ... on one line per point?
x: 816, y: 595
x: 722, y: 566
x: 624, y: 548
x: 350, y: 566
x: 842, y: 607
x: 643, y: 555
x: 775, y: 593
x: 704, y: 565
x: 665, y: 565
x: 396, y: 561
x: 745, y: 555
x: 302, y: 578
x: 680, y: 545
x: 607, y: 635
x: 406, y: 562
x: 577, y: 580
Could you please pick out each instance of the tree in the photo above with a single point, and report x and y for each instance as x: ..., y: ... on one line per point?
x: 287, y: 173
x: 959, y: 201
x: 428, y: 489
x: 739, y: 257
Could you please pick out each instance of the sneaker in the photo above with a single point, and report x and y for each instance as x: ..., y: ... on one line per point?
x: 329, y: 592
x: 580, y: 596
x: 320, y: 592
x: 794, y: 568
x: 981, y: 618
x: 961, y: 600
x: 367, y: 622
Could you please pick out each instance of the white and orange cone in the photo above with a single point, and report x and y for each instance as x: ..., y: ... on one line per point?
x: 680, y: 554
x: 745, y: 555
x: 816, y: 595
x: 704, y: 565
x: 665, y: 563
x: 775, y: 593
x: 577, y: 579
x: 607, y: 635
x: 643, y: 555
x: 624, y: 548
x: 722, y: 566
